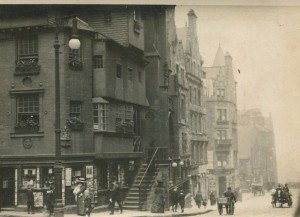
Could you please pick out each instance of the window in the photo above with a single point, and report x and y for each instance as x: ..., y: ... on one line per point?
x: 199, y: 97
x: 222, y: 114
x: 191, y: 94
x: 130, y: 74
x: 75, y: 109
x: 28, y: 48
x: 29, y: 177
x: 195, y: 95
x: 27, y: 113
x: 221, y: 135
x: 140, y: 77
x: 119, y: 71
x: 222, y: 158
x: 98, y: 62
x: 183, y: 107
x: 100, y: 116
x: 182, y: 76
x: 221, y: 93
x: 200, y: 123
x: 128, y: 113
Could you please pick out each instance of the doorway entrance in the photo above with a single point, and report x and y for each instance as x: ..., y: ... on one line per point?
x: 222, y: 185
x: 7, y: 186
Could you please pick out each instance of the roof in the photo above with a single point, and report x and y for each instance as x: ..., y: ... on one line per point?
x: 219, y: 58
x: 182, y: 35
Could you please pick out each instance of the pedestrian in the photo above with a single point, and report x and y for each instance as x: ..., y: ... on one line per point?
x: 87, y: 203
x: 212, y: 198
x: 115, y: 197
x: 79, y: 196
x: 198, y: 199
x: 30, y: 200
x: 181, y: 199
x: 50, y: 200
x: 158, y: 203
x: 174, y: 199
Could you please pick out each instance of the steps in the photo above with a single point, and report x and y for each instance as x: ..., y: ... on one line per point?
x: 132, y: 200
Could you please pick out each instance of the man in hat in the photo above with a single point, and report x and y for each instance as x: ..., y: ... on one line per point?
x: 50, y: 199
x: 174, y: 199
x: 115, y: 197
x: 232, y: 199
x: 181, y: 199
x: 79, y: 196
x: 30, y: 200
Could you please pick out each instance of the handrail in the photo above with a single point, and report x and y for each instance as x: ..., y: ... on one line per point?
x: 148, y: 166
x: 179, y: 183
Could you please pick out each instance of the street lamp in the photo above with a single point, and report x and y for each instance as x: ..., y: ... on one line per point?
x: 174, y: 165
x: 74, y: 43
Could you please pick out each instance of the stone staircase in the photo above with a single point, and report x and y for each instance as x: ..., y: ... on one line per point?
x: 136, y: 198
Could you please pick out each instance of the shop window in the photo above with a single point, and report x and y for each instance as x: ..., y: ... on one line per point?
x: 47, y: 176
x: 29, y: 177
x: 27, y: 113
x: 100, y: 116
x: 98, y: 62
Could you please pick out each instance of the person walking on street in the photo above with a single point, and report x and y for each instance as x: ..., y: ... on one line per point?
x: 50, y: 200
x: 87, y: 203
x: 116, y: 197
x: 174, y: 199
x: 181, y: 198
x: 79, y: 196
x: 198, y: 199
x: 30, y: 200
x: 212, y: 198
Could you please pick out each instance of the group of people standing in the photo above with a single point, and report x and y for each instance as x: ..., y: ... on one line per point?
x: 177, y: 197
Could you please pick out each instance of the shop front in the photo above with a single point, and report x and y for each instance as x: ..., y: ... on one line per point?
x: 109, y: 169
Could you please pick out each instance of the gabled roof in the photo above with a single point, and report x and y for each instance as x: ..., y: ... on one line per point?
x: 219, y: 58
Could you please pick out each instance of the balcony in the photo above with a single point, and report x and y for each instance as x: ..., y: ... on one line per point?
x: 222, y: 122
x: 28, y: 66
x: 223, y: 142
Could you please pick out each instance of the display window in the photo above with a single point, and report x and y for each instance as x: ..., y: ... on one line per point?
x: 29, y: 177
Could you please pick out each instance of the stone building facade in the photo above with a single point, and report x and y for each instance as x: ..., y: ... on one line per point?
x: 257, y: 153
x: 192, y: 134
x: 103, y: 97
x: 222, y: 124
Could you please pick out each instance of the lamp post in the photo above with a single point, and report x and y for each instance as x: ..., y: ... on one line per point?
x: 174, y: 165
x: 74, y: 43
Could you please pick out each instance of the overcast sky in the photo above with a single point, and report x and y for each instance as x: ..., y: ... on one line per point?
x: 264, y: 43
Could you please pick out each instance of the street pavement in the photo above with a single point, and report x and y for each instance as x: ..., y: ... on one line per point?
x: 259, y: 206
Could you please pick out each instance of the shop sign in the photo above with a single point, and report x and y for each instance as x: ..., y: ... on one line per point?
x: 68, y: 176
x: 38, y: 199
x: 89, y: 172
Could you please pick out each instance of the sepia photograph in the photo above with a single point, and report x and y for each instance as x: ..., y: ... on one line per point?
x: 150, y: 109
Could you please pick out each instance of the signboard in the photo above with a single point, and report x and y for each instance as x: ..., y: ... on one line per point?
x: 89, y: 172
x: 68, y: 176
x: 38, y: 199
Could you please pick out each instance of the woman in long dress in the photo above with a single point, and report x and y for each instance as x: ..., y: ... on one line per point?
x: 79, y: 196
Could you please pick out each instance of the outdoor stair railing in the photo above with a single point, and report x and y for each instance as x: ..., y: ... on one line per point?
x: 149, y: 170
